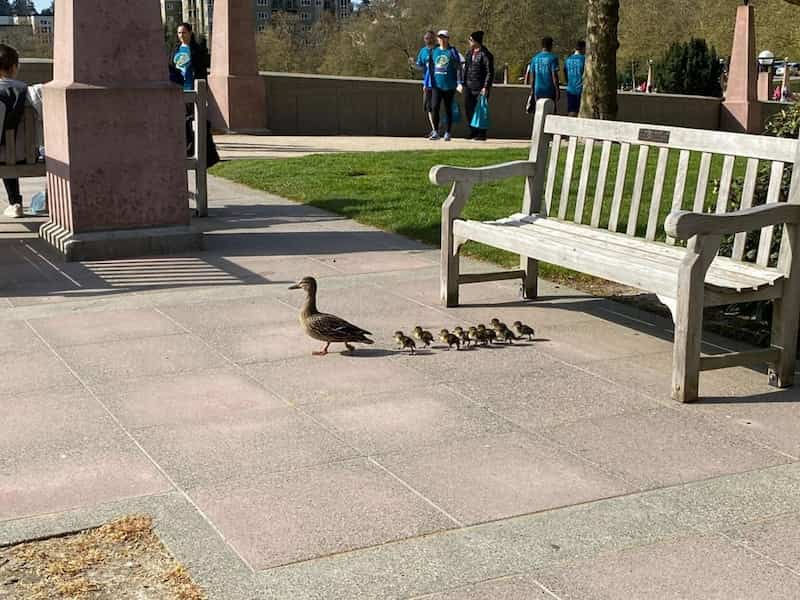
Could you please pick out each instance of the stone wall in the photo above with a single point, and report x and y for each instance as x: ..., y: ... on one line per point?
x: 323, y: 105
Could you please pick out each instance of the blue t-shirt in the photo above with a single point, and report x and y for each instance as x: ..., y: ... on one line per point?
x: 445, y: 68
x: 574, y: 67
x: 424, y: 61
x: 183, y: 62
x: 543, y: 66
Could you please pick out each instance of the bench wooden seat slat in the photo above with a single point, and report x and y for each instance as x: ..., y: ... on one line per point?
x: 583, y: 185
x: 619, y: 186
x: 600, y: 186
x: 680, y: 185
x: 569, y: 167
x: 748, y: 192
x: 773, y: 195
x: 555, y: 150
x: 686, y: 276
x: 658, y: 192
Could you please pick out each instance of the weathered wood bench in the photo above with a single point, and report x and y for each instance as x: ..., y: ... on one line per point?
x: 198, y: 163
x: 675, y: 257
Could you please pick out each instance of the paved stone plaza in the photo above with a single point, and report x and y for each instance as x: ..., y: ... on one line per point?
x: 183, y: 387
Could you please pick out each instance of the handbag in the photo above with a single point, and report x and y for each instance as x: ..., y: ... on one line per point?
x: 480, y: 120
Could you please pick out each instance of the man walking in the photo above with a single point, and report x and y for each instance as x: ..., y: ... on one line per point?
x: 542, y: 73
x: 478, y: 80
x: 423, y: 63
x: 448, y: 77
x: 574, y: 67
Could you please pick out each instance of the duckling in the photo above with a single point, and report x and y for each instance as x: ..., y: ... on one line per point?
x: 507, y: 336
x: 523, y: 330
x: 498, y: 326
x: 474, y: 336
x: 462, y: 335
x: 404, y: 342
x: 323, y: 327
x: 489, y: 334
x: 426, y: 337
x: 450, y: 339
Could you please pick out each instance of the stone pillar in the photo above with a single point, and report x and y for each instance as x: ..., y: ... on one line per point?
x: 741, y: 110
x: 764, y: 91
x: 238, y: 93
x: 114, y: 135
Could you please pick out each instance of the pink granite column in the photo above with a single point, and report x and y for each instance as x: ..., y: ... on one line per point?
x: 238, y: 93
x: 741, y: 110
x: 114, y: 135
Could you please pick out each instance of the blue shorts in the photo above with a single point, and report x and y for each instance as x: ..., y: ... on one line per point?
x: 573, y: 103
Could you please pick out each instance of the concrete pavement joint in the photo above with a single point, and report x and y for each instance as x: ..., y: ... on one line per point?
x: 136, y: 442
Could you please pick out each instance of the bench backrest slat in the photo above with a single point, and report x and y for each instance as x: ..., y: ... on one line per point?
x: 773, y: 195
x: 31, y: 151
x: 566, y: 184
x: 725, y: 184
x: 701, y: 190
x: 638, y: 188
x: 658, y: 192
x: 583, y: 185
x: 619, y: 186
x: 680, y: 185
x: 748, y: 192
x: 552, y: 170
x: 695, y: 140
x: 600, y: 186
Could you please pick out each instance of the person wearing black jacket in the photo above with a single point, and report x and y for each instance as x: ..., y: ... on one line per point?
x: 478, y: 80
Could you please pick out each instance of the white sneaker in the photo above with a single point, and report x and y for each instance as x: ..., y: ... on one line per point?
x: 13, y: 211
x: 447, y: 137
x: 434, y: 136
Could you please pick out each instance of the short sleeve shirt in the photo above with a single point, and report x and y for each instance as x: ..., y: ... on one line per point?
x: 543, y: 66
x: 574, y: 67
x: 424, y: 61
x: 183, y: 62
x: 445, y: 68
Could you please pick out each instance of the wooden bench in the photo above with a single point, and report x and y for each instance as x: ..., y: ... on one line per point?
x: 19, y: 156
x: 677, y: 257
x: 199, y: 162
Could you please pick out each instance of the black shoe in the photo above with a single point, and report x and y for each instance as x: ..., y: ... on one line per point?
x: 480, y: 138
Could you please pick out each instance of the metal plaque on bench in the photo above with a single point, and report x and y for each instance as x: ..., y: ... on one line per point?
x: 654, y: 136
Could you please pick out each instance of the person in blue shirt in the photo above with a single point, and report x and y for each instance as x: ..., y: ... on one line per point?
x: 448, y: 77
x: 542, y: 73
x: 574, y: 67
x: 423, y: 62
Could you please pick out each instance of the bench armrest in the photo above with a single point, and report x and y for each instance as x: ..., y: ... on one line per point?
x: 683, y: 225
x: 442, y: 174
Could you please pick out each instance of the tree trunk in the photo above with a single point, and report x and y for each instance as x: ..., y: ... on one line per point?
x: 600, y: 80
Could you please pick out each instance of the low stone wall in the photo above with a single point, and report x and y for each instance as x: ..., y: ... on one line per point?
x: 318, y: 105
x: 300, y: 104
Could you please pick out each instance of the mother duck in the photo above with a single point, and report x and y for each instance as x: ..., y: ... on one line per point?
x: 323, y: 327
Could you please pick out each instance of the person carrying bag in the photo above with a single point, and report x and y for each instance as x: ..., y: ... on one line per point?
x: 478, y: 81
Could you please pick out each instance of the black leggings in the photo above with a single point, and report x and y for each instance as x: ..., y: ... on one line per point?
x: 12, y: 189
x: 447, y: 97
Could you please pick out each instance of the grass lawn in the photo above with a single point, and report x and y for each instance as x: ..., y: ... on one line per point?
x: 390, y: 190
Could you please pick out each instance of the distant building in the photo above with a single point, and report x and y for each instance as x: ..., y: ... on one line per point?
x: 40, y: 27
x: 200, y: 13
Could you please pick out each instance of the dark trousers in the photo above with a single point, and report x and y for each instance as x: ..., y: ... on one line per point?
x: 471, y: 98
x: 12, y: 189
x: 447, y: 97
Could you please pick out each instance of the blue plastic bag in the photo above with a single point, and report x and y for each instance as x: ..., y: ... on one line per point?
x: 456, y: 112
x: 480, y: 120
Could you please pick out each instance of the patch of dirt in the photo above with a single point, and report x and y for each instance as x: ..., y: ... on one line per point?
x: 120, y: 560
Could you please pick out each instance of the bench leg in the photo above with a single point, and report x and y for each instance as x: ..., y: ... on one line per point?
x: 449, y: 274
x: 784, y: 338
x: 530, y: 285
x: 689, y: 317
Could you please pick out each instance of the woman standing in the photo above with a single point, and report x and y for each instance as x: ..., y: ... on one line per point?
x: 189, y: 59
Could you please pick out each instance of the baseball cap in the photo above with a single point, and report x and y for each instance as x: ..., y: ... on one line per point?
x: 443, y: 33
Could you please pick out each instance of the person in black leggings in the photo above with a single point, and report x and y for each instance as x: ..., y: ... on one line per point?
x: 448, y: 76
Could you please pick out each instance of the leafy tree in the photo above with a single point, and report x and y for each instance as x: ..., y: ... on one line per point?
x: 23, y: 8
x: 600, y: 79
x: 690, y: 68
x: 49, y: 12
x: 5, y: 8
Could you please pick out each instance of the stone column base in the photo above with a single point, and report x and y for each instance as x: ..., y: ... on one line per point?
x: 238, y: 104
x: 121, y: 243
x: 742, y: 117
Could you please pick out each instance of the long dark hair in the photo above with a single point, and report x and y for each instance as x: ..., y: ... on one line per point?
x: 190, y: 29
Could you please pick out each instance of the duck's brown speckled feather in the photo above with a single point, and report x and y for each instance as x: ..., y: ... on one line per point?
x: 330, y: 328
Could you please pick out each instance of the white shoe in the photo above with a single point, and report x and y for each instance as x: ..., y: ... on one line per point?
x: 447, y: 137
x: 14, y: 211
x: 434, y: 136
